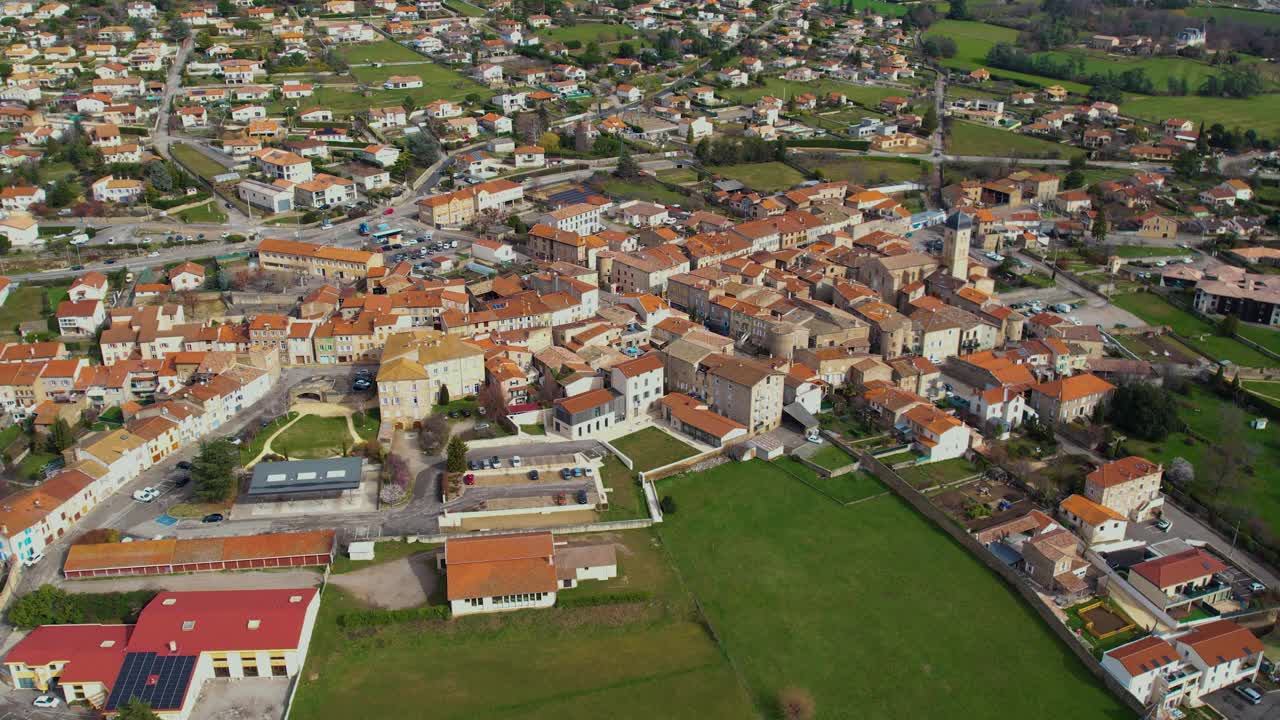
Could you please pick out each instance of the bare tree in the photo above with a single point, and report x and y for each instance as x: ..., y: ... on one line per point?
x: 796, y: 704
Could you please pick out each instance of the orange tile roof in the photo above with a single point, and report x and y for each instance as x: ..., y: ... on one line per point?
x: 1145, y: 655
x: 1089, y: 511
x: 1178, y: 568
x: 1075, y: 387
x: 500, y: 565
x: 1118, y: 472
x: 1221, y: 642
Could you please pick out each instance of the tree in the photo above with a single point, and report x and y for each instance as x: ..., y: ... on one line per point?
x: 627, y: 166
x: 796, y: 703
x: 213, y: 470
x: 1099, y: 229
x: 5, y: 245
x: 959, y: 10
x: 456, y: 454
x: 1180, y: 473
x: 409, y: 105
x: 444, y: 394
x: 1234, y: 452
x: 930, y: 121
x: 136, y: 709
x: 1145, y: 411
x: 1228, y: 326
x: 60, y: 436
x: 178, y: 31
x: 550, y: 141
x: 159, y: 176
x: 1073, y: 180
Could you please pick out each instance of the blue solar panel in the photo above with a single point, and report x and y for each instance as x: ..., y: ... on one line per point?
x: 159, y: 680
x: 569, y: 197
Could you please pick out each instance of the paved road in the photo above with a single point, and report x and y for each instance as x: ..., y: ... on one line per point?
x: 1233, y: 707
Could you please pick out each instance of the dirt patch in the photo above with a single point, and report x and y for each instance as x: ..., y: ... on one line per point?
x: 241, y: 699
x: 1102, y: 621
x: 404, y: 583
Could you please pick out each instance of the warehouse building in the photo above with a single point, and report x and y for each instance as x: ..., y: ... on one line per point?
x: 167, y: 556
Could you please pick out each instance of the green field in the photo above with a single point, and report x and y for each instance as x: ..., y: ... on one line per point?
x: 438, y: 83
x: 939, y: 473
x: 965, y: 138
x: 1145, y: 251
x: 381, y: 51
x: 764, y: 177
x: 313, y: 437
x: 865, y: 95
x: 650, y: 448
x: 26, y: 303
x: 203, y: 165
x: 868, y: 607
x: 1264, y: 336
x: 1261, y: 113
x: 1200, y: 334
x: 250, y: 450
x: 462, y: 7
x: 679, y: 176
x: 206, y: 213
x: 644, y: 189
x: 846, y: 488
x: 590, y: 32
x: 888, y: 9
x: 632, y: 662
x: 1206, y: 414
x: 974, y: 39
x: 1158, y: 69
x: 1250, y: 17
x: 862, y: 170
x: 830, y: 457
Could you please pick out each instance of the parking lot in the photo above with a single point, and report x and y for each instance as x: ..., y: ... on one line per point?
x: 1234, y: 707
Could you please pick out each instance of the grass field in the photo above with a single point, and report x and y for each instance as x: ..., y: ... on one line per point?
x: 1261, y: 113
x: 830, y: 457
x: 313, y: 437
x: 865, y: 95
x: 765, y: 177
x: 203, y: 165
x: 464, y: 8
x: 33, y: 464
x: 1266, y: 337
x: 590, y: 32
x: 965, y: 138
x: 1206, y: 414
x: 367, y: 423
x: 938, y: 473
x: 847, y: 488
x: 206, y: 213
x: 26, y: 303
x: 650, y: 448
x: 381, y: 51
x: 1158, y: 69
x: 861, y: 170
x: 896, y: 621
x: 433, y: 75
x: 640, y: 661
x: 1199, y: 333
x: 1249, y: 17
x: 678, y: 176
x: 881, y: 7
x: 974, y: 39
x: 1145, y: 251
x: 643, y: 189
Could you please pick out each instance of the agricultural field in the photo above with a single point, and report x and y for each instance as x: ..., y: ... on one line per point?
x: 1261, y: 113
x: 640, y: 660
x: 872, y: 640
x: 203, y: 165
x: 1200, y: 333
x: 590, y: 32
x: 965, y: 138
x: 1251, y: 17
x: 974, y: 39
x: 764, y: 177
x: 1158, y: 69
x: 865, y: 95
x: 861, y: 170
x: 381, y: 51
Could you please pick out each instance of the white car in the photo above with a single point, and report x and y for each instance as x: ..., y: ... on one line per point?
x: 47, y: 701
x: 225, y: 235
x: 146, y: 494
x: 31, y: 561
x: 153, y: 254
x: 515, y: 461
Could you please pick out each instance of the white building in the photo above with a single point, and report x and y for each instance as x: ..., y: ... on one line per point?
x: 582, y: 218
x: 273, y: 197
x: 640, y: 382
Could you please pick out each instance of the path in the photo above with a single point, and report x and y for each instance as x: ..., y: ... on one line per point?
x: 319, y: 409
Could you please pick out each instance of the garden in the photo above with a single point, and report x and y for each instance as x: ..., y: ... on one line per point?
x: 880, y: 632
x: 939, y: 473
x: 652, y: 448
x: 1102, y: 624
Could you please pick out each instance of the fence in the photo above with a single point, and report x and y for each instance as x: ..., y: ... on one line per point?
x: 670, y: 469
x: 625, y: 460
x: 922, y: 505
x: 605, y: 526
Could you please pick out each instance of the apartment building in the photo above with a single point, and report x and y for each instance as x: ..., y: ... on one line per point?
x: 321, y: 260
x: 416, y: 364
x: 460, y: 207
x: 745, y: 391
x: 1066, y: 399
x: 1130, y: 486
x: 581, y: 218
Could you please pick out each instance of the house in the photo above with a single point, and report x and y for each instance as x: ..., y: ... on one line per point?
x: 381, y: 155
x: 1096, y: 524
x: 90, y: 286
x: 402, y: 82
x: 936, y: 434
x: 586, y: 414
x: 273, y: 197
x: 21, y: 197
x: 530, y: 156
x: 493, y: 251
x: 1070, y: 398
x: 1178, y: 580
x: 187, y: 276
x: 521, y: 570
x: 21, y: 230
x: 1053, y: 561
x: 629, y: 93
x: 1130, y: 486
x: 282, y: 165
x: 1151, y: 670
x: 117, y: 190
x: 1225, y: 654
x: 80, y: 318
x: 640, y: 382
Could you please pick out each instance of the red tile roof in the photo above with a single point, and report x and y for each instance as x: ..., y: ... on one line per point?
x: 500, y: 565
x: 1178, y: 568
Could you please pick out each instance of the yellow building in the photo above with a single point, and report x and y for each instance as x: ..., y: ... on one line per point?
x: 321, y: 260
x: 416, y: 364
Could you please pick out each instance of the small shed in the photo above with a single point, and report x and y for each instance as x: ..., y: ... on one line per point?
x: 1258, y: 423
x: 362, y: 550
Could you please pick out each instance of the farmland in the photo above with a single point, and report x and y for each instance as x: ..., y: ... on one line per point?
x: 966, y: 138
x: 589, y: 32
x: 870, y: 640
x: 1261, y: 113
x: 974, y: 39
x: 865, y: 95
x: 765, y: 177
x: 1200, y: 333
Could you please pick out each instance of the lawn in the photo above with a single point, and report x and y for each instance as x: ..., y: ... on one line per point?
x: 1146, y: 251
x: 1206, y: 414
x: 868, y: 607
x: 1261, y: 113
x: 534, y: 429
x: 626, y: 498
x: 1200, y: 334
x: 830, y: 457
x: 862, y: 170
x: 383, y: 552
x: 965, y: 138
x: 844, y: 489
x: 939, y: 473
x: 865, y: 95
x: 764, y: 177
x: 1101, y: 645
x: 26, y: 303
x: 1264, y: 336
x: 678, y: 176
x: 464, y: 8
x: 439, y: 83
x: 33, y: 464
x: 651, y: 448
x: 645, y: 189
x: 640, y: 661
x: 203, y: 165
x: 589, y: 32
x: 251, y: 449
x: 381, y: 51
x: 367, y: 424
x: 974, y: 39
x: 314, y: 437
x: 206, y: 213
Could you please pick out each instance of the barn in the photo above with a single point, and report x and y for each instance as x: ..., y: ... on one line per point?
x: 163, y: 557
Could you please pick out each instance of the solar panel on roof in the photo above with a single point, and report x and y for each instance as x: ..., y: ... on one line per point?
x: 306, y: 476
x: 160, y: 681
x: 336, y: 474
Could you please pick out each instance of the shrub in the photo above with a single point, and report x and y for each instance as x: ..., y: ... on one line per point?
x: 391, y: 494
x: 796, y: 704
x: 374, y: 618
x: 668, y: 505
x: 624, y: 598
x: 49, y: 605
x: 98, y: 536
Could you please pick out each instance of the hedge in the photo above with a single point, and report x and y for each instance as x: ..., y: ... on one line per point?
x: 322, y: 125
x: 50, y: 605
x: 828, y: 143
x: 175, y: 202
x: 50, y: 230
x: 131, y: 130
x: 625, y: 598
x: 374, y: 618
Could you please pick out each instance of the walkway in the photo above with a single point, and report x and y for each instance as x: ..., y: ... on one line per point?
x: 319, y: 409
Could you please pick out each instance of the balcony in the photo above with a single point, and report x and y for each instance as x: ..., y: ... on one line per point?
x: 1182, y: 598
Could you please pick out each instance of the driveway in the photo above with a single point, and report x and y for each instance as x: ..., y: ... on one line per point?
x: 1189, y: 528
x: 1233, y: 707
x: 403, y: 583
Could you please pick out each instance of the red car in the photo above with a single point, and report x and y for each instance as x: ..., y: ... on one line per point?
x: 469, y: 478
x: 389, y: 211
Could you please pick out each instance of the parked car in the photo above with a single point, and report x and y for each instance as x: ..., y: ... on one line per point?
x: 565, y: 473
x: 1250, y: 695
x: 31, y: 561
x: 184, y: 465
x: 577, y: 472
x: 561, y: 499
x: 146, y: 494
x: 533, y: 474
x: 389, y: 211
x: 473, y: 464
x: 1257, y: 587
x: 213, y: 518
x: 47, y: 701
x: 482, y: 426
x: 469, y: 479
x: 581, y: 497
x: 497, y: 461
x: 515, y: 461
x: 1163, y: 525
x: 182, y: 481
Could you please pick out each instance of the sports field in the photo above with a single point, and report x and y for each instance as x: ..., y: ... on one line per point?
x: 868, y: 607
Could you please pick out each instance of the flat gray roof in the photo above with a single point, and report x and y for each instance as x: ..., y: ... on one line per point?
x: 300, y: 476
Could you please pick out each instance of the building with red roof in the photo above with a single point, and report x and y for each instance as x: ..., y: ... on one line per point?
x: 1130, y: 486
x: 180, y: 640
x: 1181, y: 579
